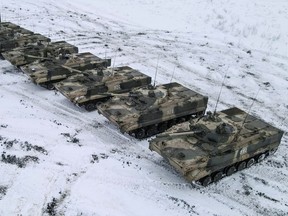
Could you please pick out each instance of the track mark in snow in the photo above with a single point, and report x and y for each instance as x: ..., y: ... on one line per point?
x: 3, y: 191
x: 183, y: 204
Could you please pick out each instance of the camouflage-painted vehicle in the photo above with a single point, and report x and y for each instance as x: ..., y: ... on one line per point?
x: 216, y: 145
x: 8, y: 43
x: 150, y: 110
x: 94, y: 86
x: 7, y: 25
x: 10, y: 30
x: 46, y: 72
x: 32, y: 52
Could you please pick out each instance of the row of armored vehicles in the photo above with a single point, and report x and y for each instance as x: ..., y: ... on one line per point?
x: 202, y: 147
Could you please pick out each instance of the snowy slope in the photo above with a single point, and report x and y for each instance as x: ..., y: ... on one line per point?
x: 71, y: 162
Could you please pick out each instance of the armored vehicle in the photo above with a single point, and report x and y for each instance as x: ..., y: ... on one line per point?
x: 46, y: 72
x: 7, y: 25
x: 32, y: 52
x: 18, y: 40
x: 90, y: 87
x: 8, y: 29
x: 216, y: 145
x: 149, y: 110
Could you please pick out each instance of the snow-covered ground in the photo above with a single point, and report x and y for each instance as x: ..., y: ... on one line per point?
x: 71, y: 162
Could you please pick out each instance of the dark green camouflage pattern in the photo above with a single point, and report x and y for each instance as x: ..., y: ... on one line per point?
x: 32, y: 52
x: 12, y: 36
x: 8, y: 26
x: 10, y: 30
x: 46, y: 71
x: 18, y: 40
x: 151, y: 109
x: 96, y: 85
x: 216, y: 143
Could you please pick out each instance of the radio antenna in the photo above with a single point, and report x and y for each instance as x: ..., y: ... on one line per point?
x: 105, y: 55
x: 1, y: 14
x: 254, y: 99
x: 220, y: 92
x: 156, y: 71
x: 238, y: 133
x: 282, y: 123
x: 173, y: 74
x: 168, y: 88
x: 114, y: 62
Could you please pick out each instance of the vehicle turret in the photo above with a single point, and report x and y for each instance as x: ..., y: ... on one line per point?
x: 19, y: 40
x: 215, y: 145
x: 150, y: 110
x: 97, y: 85
x: 33, y: 52
x: 46, y: 72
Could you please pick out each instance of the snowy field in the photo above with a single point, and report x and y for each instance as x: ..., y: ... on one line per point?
x: 71, y: 162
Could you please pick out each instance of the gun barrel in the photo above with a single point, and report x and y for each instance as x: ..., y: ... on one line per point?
x: 177, y: 134
x: 71, y: 69
x: 38, y: 57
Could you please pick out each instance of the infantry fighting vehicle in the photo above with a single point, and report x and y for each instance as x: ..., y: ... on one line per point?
x: 32, y: 52
x: 8, y: 25
x: 90, y: 87
x: 8, y: 43
x: 47, y: 71
x: 8, y: 29
x: 149, y: 110
x: 217, y: 144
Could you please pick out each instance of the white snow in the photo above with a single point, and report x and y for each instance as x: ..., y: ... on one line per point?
x: 108, y: 173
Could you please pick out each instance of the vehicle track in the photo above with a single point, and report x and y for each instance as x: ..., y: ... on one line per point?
x: 116, y: 34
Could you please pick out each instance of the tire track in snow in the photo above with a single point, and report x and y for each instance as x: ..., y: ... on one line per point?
x: 143, y: 60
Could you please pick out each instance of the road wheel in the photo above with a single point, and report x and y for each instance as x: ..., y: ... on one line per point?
x: 230, y: 170
x: 199, y: 114
x: 140, y: 133
x: 181, y: 120
x: 90, y: 107
x: 217, y: 176
x: 241, y: 165
x: 206, y: 181
x: 151, y: 131
x: 50, y: 86
x: 250, y: 162
x: 261, y: 157
x: 272, y: 151
x: 98, y: 104
x: 171, y: 123
x: 189, y: 117
x: 162, y: 127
